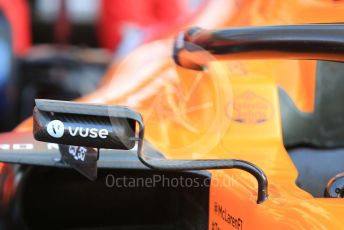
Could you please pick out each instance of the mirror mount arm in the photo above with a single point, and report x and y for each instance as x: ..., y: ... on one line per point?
x: 187, y: 165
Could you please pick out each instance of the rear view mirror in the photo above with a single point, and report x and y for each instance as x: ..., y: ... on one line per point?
x: 81, y: 129
x: 96, y: 126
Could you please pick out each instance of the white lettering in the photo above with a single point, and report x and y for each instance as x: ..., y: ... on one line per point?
x: 103, y: 133
x: 83, y: 134
x: 87, y: 132
x: 71, y: 131
x: 5, y: 147
x: 25, y: 146
x: 22, y: 146
x: 93, y: 133
x: 82, y: 153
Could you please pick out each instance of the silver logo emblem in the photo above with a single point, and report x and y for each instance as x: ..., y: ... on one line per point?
x: 55, y: 128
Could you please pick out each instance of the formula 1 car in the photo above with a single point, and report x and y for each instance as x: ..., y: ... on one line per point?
x: 51, y: 72
x: 199, y: 147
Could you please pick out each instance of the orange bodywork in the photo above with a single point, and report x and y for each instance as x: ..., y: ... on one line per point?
x: 225, y: 13
x: 233, y: 193
x: 230, y: 111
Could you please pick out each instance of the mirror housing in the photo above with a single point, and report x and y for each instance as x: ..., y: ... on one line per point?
x: 96, y: 126
x: 82, y: 129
